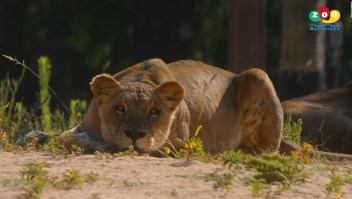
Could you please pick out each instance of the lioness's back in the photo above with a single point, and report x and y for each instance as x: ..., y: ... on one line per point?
x: 202, y: 82
x: 187, y: 70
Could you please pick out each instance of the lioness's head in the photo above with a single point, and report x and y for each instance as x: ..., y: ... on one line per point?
x: 136, y: 113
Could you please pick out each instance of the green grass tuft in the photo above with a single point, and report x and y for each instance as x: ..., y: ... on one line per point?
x: 221, y: 181
x: 335, y: 184
x: 233, y: 159
x: 257, y: 186
x: 72, y: 179
x: 8, y: 91
x: 77, y: 110
x: 278, y: 168
x: 293, y: 130
x: 35, y: 178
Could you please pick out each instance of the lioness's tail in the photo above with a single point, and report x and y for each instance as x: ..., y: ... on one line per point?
x: 287, y: 147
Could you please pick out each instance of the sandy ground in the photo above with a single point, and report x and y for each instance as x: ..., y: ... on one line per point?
x: 147, y: 177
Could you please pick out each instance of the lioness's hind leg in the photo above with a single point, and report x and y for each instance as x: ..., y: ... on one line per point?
x: 259, y: 113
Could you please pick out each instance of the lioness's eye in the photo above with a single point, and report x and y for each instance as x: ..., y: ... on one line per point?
x: 153, y: 112
x: 120, y: 109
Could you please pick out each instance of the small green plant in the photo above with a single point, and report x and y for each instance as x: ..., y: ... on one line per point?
x: 35, y: 179
x: 292, y: 130
x: 77, y: 110
x: 129, y: 152
x: 102, y: 155
x: 233, y: 159
x: 257, y: 186
x: 304, y: 153
x: 221, y: 181
x: 72, y: 179
x: 91, y: 177
x: 335, y: 184
x: 20, y: 111
x: 277, y: 168
x: 192, y: 148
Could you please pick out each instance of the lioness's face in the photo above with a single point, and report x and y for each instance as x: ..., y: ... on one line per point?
x: 136, y: 114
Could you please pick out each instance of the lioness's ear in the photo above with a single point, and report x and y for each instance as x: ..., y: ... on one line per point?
x: 171, y: 94
x: 104, y: 84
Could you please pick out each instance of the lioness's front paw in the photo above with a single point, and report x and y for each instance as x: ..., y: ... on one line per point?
x: 42, y: 137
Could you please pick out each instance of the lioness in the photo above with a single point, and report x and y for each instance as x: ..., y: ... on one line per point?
x: 327, y: 118
x: 152, y: 104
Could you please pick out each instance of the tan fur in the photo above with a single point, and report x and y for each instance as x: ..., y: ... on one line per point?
x: 327, y: 118
x: 236, y: 111
x: 153, y: 104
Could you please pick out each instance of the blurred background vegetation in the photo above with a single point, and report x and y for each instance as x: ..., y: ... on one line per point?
x: 87, y: 37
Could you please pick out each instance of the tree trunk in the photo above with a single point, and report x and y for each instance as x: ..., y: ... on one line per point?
x: 302, y: 51
x: 247, y: 47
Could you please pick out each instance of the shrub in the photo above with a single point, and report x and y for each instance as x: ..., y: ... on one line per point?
x: 277, y: 168
x: 233, y: 158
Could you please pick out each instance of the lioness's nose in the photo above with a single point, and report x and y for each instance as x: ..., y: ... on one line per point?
x: 135, y: 134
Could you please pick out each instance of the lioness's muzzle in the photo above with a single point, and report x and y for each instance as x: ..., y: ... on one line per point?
x: 135, y: 134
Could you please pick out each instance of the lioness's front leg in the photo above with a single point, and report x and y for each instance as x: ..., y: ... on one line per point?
x: 79, y: 136
x: 179, y: 131
x: 259, y: 112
